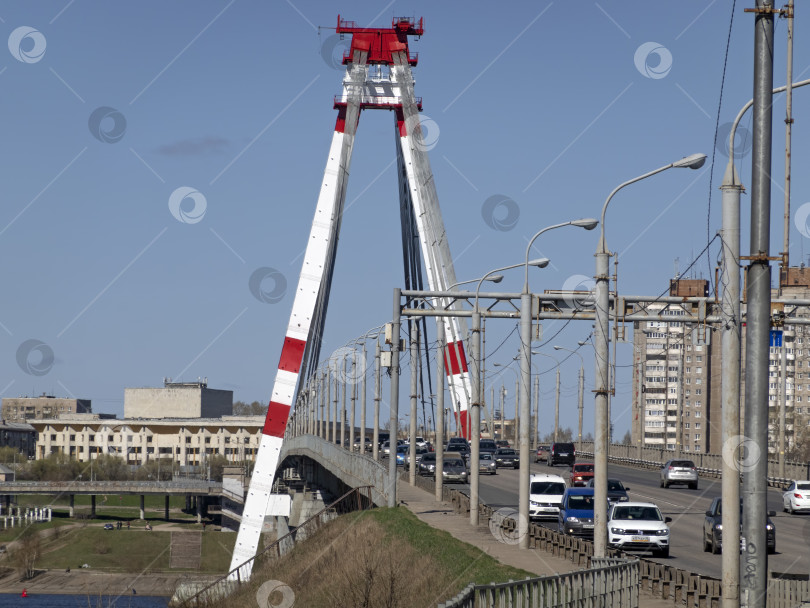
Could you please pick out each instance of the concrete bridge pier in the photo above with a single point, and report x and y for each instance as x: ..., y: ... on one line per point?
x: 142, y: 509
x: 166, y: 508
x: 70, y: 504
x: 198, y: 501
x: 92, y: 505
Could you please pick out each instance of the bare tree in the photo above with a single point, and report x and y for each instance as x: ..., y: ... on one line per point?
x: 25, y: 553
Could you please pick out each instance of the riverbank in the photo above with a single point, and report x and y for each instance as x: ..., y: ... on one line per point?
x: 94, y: 583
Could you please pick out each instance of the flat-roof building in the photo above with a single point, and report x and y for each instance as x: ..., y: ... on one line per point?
x: 178, y: 400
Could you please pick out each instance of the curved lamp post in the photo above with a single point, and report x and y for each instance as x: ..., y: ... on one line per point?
x: 525, y: 389
x: 601, y: 389
x: 475, y: 386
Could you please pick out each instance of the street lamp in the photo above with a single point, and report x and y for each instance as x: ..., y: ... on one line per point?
x: 475, y: 386
x: 525, y: 389
x: 695, y: 161
x: 557, y: 393
x: 581, y: 389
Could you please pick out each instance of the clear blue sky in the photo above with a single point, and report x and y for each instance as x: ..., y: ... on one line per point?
x: 549, y: 104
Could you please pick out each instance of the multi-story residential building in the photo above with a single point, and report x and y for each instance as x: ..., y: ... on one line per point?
x: 789, y: 359
x: 676, y: 377
x: 185, y: 441
x: 22, y: 409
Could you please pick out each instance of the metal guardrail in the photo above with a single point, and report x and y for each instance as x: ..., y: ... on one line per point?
x: 709, y: 465
x: 353, y: 500
x: 680, y: 586
x: 610, y: 585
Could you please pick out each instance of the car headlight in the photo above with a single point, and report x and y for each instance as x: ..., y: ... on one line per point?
x: 661, y: 532
x: 617, y: 530
x: 623, y: 499
x: 718, y: 526
x: 573, y: 520
x: 534, y: 503
x: 768, y: 527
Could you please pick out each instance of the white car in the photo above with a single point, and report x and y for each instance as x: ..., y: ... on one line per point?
x: 545, y: 495
x: 638, y: 526
x: 797, y: 496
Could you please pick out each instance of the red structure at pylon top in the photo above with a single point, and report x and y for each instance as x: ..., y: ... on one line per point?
x: 380, y: 43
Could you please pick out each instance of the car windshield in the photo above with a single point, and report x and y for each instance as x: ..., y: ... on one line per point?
x: 485, y: 456
x: 506, y: 452
x: 803, y: 486
x: 547, y: 487
x: 453, y: 463
x: 615, y: 486
x: 429, y: 457
x: 583, y: 468
x: 641, y: 513
x: 582, y: 503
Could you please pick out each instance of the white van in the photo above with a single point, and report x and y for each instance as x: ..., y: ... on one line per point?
x: 545, y: 495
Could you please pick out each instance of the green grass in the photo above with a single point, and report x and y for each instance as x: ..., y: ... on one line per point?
x: 9, y: 534
x: 107, y: 550
x: 460, y: 560
x: 217, y: 548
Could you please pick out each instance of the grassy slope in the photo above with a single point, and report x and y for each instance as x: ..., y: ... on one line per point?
x: 383, y: 557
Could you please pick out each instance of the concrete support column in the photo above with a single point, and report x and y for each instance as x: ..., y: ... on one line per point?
x: 142, y: 509
x: 92, y: 505
x: 50, y: 514
x: 198, y: 500
x: 166, y: 508
x: 72, y: 497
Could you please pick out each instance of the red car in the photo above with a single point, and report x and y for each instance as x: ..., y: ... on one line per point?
x: 581, y: 474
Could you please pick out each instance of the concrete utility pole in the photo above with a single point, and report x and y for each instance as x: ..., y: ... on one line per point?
x: 758, y: 297
x: 363, y: 397
x: 536, y: 426
x: 414, y: 331
x: 352, y: 415
x: 440, y: 349
x: 475, y: 412
x: 375, y: 441
x: 343, y: 402
x: 581, y: 389
x: 394, y: 407
x: 557, y: 407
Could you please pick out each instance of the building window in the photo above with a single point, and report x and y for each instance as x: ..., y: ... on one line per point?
x: 698, y: 391
x: 227, y: 439
x: 207, y: 440
x: 697, y: 425
x: 686, y: 425
x: 699, y: 358
x: 697, y: 414
x: 73, y: 437
x: 697, y: 436
x: 148, y: 439
x: 188, y: 439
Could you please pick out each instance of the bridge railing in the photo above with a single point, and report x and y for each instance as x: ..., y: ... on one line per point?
x: 681, y: 587
x: 357, y: 499
x: 708, y: 465
x: 612, y: 584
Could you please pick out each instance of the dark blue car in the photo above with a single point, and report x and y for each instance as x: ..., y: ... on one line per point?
x: 576, y: 512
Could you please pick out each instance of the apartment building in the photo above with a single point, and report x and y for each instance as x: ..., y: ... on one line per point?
x: 23, y: 409
x: 676, y: 377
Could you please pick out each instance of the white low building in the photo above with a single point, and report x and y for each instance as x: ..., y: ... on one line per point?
x: 187, y: 441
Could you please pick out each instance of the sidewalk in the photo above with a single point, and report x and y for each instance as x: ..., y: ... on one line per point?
x: 441, y: 515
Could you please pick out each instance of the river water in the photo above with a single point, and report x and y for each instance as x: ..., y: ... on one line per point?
x: 34, y: 600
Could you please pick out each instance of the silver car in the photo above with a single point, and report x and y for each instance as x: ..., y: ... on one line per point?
x: 486, y: 464
x: 679, y: 471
